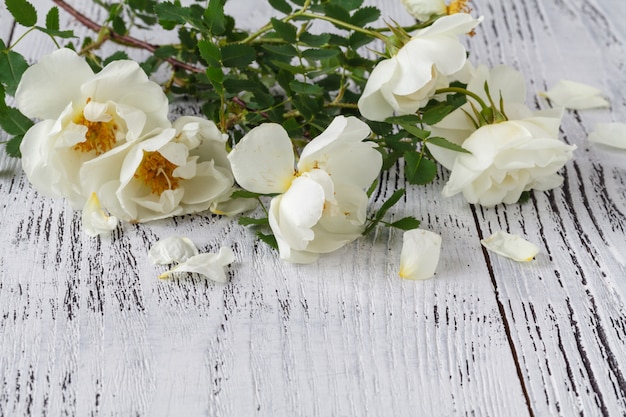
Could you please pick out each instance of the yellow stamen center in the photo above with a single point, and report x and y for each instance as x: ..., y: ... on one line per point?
x: 100, y: 136
x: 157, y: 173
x: 459, y: 6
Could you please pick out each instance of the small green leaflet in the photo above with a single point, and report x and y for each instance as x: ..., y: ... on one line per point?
x: 314, y: 54
x: 23, y: 12
x: 419, y: 170
x: 444, y: 143
x: 237, y: 55
x: 268, y: 239
x: 13, y: 121
x: 364, y: 16
x: 286, y: 31
x: 12, y: 66
x: 215, y: 18
x: 281, y: 6
x: 52, y: 19
x: 13, y: 146
x: 251, y: 221
x: 406, y: 223
x: 299, y: 87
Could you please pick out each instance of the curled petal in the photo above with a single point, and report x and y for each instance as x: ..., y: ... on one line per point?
x: 420, y: 254
x: 575, y: 95
x: 423, y: 9
x: 510, y: 246
x: 95, y: 219
x: 210, y: 265
x: 610, y: 134
x: 263, y: 161
x: 171, y: 250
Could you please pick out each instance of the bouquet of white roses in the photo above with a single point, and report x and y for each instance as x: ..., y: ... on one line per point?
x: 298, y: 122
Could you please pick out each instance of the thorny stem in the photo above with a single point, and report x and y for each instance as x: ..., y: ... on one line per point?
x: 122, y: 39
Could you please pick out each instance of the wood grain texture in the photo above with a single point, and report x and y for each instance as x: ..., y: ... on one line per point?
x: 87, y: 328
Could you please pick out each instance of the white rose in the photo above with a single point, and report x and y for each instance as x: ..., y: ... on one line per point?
x: 504, y: 81
x: 83, y: 115
x: 507, y: 159
x: 423, y: 9
x: 322, y: 203
x: 405, y: 82
x: 169, y: 172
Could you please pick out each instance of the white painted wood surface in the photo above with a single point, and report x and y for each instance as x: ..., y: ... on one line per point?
x: 86, y: 328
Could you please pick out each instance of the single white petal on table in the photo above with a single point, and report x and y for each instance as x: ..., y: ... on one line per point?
x: 171, y: 250
x: 420, y: 254
x: 95, y: 219
x: 511, y: 246
x: 610, y: 134
x: 575, y: 95
x: 211, y: 265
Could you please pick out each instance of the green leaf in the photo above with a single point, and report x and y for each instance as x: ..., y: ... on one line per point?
x: 364, y: 16
x: 419, y: 170
x: 319, y: 54
x: 391, y: 201
x: 268, y: 239
x: 13, y: 121
x: 65, y: 34
x: 52, y: 19
x: 435, y: 111
x: 216, y: 78
x: 23, y: 12
x: 348, y: 4
x: 116, y: 56
x: 416, y: 131
x: 251, y: 221
x: 119, y: 26
x: 283, y: 50
x: 337, y: 12
x: 13, y: 146
x: 409, y: 119
x: 444, y: 143
x: 299, y: 87
x: 372, y: 188
x: 12, y: 66
x: 311, y: 39
x: 406, y: 223
x: 210, y: 53
x: 237, y: 55
x: 281, y: 6
x: 170, y: 12
x: 215, y: 18
x: 286, y: 31
x: 245, y: 194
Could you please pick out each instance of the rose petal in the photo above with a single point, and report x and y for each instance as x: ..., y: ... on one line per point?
x: 210, y: 265
x: 610, y: 134
x: 575, y: 95
x: 420, y: 254
x: 263, y: 161
x: 171, y: 250
x: 95, y: 219
x: 510, y: 246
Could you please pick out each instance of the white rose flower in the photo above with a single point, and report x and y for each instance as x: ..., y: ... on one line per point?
x: 169, y: 172
x: 83, y: 115
x: 423, y: 9
x: 507, y: 159
x: 504, y: 81
x: 322, y: 204
x: 406, y: 81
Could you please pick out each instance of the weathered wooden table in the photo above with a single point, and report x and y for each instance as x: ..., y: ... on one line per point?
x: 86, y: 328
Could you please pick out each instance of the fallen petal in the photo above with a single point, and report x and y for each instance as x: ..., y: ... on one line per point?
x: 420, y: 254
x: 172, y: 250
x: 575, y: 95
x: 211, y: 265
x: 511, y: 246
x: 95, y: 220
x: 610, y: 134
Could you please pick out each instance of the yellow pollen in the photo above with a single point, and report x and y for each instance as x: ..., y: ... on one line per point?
x: 100, y: 136
x: 458, y: 6
x: 157, y: 173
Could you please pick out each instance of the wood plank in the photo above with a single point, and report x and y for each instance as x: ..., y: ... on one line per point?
x: 566, y: 309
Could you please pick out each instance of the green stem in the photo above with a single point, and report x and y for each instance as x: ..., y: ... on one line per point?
x: 466, y: 92
x: 372, y: 33
x: 21, y: 37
